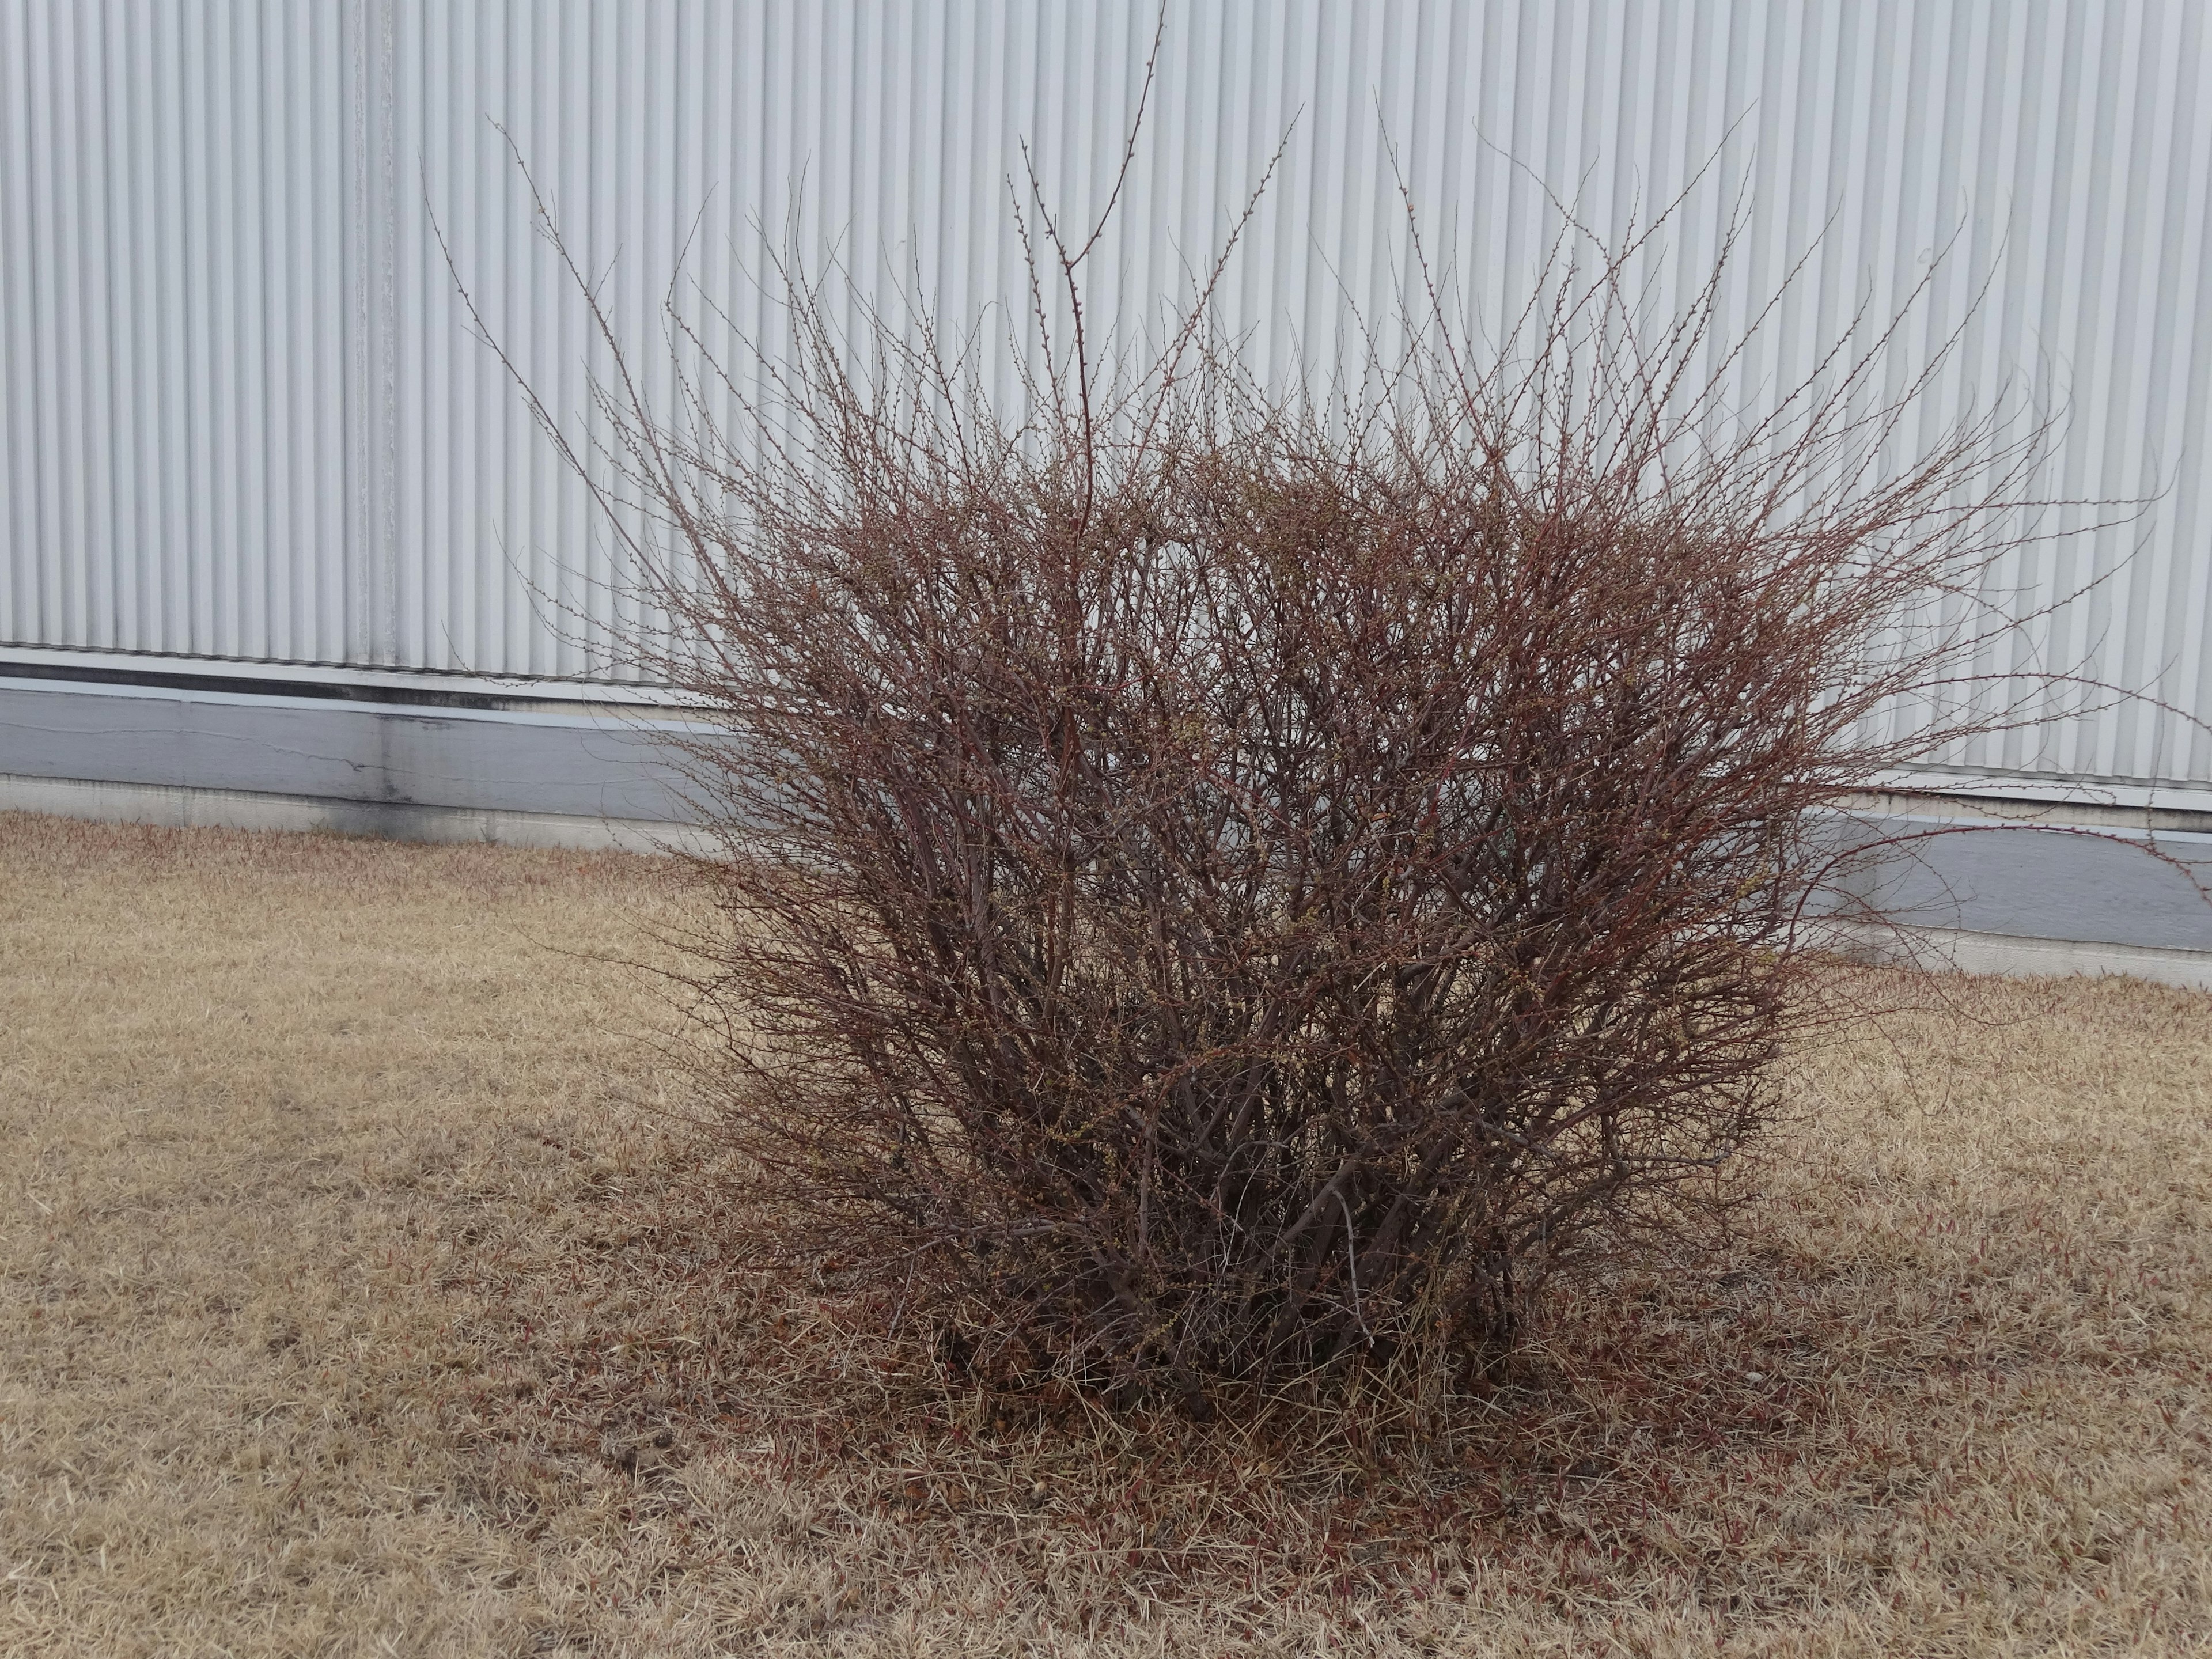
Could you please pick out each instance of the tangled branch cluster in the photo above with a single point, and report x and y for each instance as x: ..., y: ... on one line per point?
x: 1225, y: 880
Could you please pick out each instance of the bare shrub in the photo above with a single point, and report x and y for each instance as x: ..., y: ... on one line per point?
x: 1219, y: 880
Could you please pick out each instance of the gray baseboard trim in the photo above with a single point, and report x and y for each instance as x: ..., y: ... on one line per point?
x: 1940, y: 874
x: 180, y: 806
x: 592, y: 764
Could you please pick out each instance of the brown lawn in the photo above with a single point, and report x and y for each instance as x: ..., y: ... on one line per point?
x: 357, y: 1298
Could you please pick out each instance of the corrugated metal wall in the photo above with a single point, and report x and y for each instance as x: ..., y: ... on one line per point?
x: 242, y: 417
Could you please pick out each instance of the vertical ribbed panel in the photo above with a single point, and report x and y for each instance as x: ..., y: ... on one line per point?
x: 173, y: 373
x: 242, y: 416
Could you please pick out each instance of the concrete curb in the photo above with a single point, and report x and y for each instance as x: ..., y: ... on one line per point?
x: 1946, y: 950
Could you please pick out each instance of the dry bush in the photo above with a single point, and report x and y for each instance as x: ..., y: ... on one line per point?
x: 1216, y: 881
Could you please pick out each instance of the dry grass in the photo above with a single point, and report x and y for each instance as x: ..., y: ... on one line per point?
x: 351, y: 1305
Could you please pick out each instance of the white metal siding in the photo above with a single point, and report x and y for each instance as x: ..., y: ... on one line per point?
x: 241, y: 416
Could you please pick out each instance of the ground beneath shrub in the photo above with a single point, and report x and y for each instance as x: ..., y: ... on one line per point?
x: 354, y: 1298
